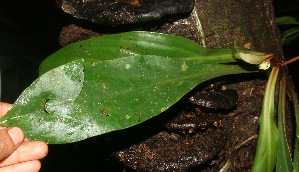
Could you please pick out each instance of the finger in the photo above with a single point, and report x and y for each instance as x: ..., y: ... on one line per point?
x: 10, y: 139
x: 29, y: 150
x: 4, y: 107
x: 29, y: 166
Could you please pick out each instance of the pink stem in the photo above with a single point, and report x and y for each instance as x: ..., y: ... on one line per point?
x: 290, y: 61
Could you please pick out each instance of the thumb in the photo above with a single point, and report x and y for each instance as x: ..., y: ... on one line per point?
x: 4, y: 107
x: 10, y: 139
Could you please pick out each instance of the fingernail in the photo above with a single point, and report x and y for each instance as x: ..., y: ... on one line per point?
x: 16, y: 135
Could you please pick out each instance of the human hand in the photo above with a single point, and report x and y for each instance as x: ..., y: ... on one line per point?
x: 17, y: 153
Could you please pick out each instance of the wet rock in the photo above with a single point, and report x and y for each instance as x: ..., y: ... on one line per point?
x: 192, y: 121
x: 111, y: 12
x: 225, y: 99
x: 173, y: 152
x: 72, y: 33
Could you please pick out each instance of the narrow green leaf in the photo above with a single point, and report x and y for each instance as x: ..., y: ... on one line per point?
x: 296, y: 154
x: 284, y: 161
x: 286, y: 20
x: 128, y: 78
x: 266, y: 151
x: 289, y: 35
x: 296, y: 109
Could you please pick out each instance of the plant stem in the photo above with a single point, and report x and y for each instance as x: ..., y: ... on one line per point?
x: 290, y: 61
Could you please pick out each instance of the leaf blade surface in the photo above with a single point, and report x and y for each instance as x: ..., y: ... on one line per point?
x: 128, y: 78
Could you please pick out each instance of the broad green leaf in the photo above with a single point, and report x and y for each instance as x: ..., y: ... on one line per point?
x: 284, y: 161
x: 138, y: 45
x: 128, y: 78
x: 266, y: 151
x: 45, y: 108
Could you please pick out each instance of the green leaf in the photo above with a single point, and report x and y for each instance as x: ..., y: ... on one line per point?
x: 45, y: 108
x: 128, y: 78
x: 284, y: 161
x: 296, y: 109
x: 138, y: 45
x: 266, y: 151
x: 296, y: 154
x: 289, y: 35
x: 286, y: 20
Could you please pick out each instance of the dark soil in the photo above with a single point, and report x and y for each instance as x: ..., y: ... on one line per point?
x: 186, y: 137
